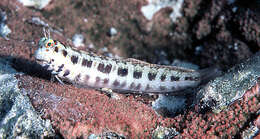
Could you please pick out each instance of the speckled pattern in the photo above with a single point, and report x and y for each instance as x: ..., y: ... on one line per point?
x: 90, y: 70
x: 206, y: 35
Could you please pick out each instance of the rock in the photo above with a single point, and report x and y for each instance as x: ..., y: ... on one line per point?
x: 18, y: 119
x: 225, y: 90
x: 222, y: 31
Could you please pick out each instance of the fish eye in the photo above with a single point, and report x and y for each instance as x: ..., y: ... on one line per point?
x: 49, y: 44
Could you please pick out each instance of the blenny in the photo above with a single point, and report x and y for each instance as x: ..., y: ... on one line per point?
x: 88, y: 69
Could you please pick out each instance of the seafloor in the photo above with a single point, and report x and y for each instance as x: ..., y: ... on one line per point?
x: 221, y: 34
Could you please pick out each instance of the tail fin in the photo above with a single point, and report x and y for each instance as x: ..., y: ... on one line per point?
x: 208, y: 74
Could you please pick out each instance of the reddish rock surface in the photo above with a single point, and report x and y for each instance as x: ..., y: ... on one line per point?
x: 79, y: 112
x: 226, y: 37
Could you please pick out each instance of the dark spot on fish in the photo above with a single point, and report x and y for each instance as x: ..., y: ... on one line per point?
x: 89, y: 63
x: 65, y: 53
x: 188, y: 78
x: 132, y: 85
x: 122, y: 71
x: 163, y: 77
x: 151, y: 76
x: 191, y: 78
x: 106, y: 80
x: 137, y: 74
x: 116, y: 83
x: 175, y: 78
x: 101, y: 67
x: 196, y: 78
x: 162, y: 88
x: 138, y: 87
x: 60, y: 68
x: 97, y: 79
x: 108, y: 68
x: 66, y: 73
x: 147, y: 87
x: 84, y: 62
x: 87, y: 78
x: 123, y: 85
x: 74, y: 59
x: 56, y: 49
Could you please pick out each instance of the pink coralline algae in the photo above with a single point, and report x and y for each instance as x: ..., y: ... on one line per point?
x: 77, y: 112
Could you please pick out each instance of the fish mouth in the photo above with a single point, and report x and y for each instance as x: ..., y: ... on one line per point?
x: 39, y: 60
x: 43, y: 63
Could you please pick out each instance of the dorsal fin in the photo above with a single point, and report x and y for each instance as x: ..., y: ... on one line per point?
x: 135, y: 61
x: 140, y: 62
x: 177, y: 68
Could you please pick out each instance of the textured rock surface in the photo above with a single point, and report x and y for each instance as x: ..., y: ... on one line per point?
x: 232, y: 86
x: 18, y: 119
x: 208, y: 33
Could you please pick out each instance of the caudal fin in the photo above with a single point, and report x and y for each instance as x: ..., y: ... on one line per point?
x: 208, y: 74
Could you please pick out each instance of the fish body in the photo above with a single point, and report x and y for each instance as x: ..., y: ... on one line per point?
x: 127, y: 75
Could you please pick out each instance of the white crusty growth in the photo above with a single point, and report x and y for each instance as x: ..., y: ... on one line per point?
x: 90, y: 70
